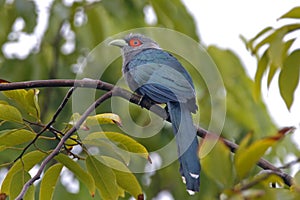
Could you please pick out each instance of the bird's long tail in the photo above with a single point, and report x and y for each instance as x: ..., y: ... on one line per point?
x: 187, y: 143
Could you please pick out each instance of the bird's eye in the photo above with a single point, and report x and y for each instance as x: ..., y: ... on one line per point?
x: 135, y: 42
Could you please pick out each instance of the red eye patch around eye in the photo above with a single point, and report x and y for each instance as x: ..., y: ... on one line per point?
x: 135, y: 42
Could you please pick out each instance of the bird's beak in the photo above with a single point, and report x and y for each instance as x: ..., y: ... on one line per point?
x: 118, y: 42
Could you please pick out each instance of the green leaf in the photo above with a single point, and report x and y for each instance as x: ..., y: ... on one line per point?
x: 49, y: 181
x: 276, y: 53
x: 10, y: 113
x: 17, y: 182
x: 104, y: 118
x: 247, y: 157
x: 130, y: 144
x: 297, y: 179
x: 27, y: 99
x: 119, y: 151
x: 272, y: 71
x: 104, y: 177
x: 275, y: 59
x: 293, y: 13
x: 277, y: 33
x: 28, y: 161
x: 124, y: 176
x: 3, y: 102
x: 296, y: 186
x: 261, y: 68
x: 71, y: 141
x: 82, y: 175
x: 174, y: 15
x: 276, y: 48
x: 218, y: 156
x: 261, y: 33
x: 244, y: 143
x: 289, y: 77
x: 15, y: 137
x: 287, y: 46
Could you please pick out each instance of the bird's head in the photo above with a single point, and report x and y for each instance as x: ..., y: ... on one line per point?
x: 132, y: 44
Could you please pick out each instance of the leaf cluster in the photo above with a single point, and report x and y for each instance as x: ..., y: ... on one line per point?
x: 238, y: 177
x: 273, y: 50
x: 107, y: 174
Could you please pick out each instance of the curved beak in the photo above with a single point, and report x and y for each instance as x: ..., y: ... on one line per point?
x: 118, y: 42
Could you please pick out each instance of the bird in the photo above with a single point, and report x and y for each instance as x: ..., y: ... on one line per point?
x: 157, y: 75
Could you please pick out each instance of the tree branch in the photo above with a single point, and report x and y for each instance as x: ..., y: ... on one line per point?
x: 62, y: 142
x: 84, y: 83
x: 287, y: 165
x: 97, y: 84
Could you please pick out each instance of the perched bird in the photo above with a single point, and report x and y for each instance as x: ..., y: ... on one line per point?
x: 159, y: 76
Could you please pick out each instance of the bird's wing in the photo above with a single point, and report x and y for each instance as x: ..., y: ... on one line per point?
x: 162, y: 83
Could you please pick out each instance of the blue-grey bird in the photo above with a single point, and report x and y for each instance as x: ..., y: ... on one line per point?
x: 159, y: 76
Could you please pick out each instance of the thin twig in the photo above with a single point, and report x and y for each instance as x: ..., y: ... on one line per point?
x: 61, y: 143
x: 61, y: 106
x: 260, y: 177
x: 59, y: 109
x: 289, y: 164
x: 53, y: 130
x: 69, y: 152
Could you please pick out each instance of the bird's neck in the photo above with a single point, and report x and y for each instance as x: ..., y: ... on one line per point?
x: 128, y: 56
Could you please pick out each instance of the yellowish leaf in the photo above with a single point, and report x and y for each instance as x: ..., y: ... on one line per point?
x: 27, y: 99
x: 10, y: 113
x: 104, y: 118
x: 247, y: 157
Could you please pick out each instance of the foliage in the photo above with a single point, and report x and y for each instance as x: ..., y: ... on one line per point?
x: 24, y: 113
x: 250, y: 115
x: 98, y: 176
x: 234, y: 180
x: 273, y: 50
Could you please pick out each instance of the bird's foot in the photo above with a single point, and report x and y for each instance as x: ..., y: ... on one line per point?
x: 145, y: 102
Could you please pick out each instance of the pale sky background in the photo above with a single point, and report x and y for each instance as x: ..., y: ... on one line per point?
x: 221, y: 23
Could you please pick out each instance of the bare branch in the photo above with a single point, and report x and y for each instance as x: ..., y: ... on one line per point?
x: 289, y: 164
x: 85, y: 83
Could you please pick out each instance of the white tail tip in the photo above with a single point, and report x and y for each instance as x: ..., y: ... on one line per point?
x: 194, y: 175
x: 191, y: 192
